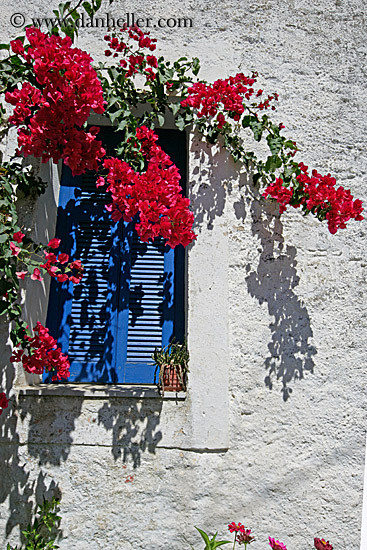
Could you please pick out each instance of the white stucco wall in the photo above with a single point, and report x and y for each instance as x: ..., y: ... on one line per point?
x: 272, y: 432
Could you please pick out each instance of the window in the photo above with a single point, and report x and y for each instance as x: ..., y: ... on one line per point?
x: 131, y: 298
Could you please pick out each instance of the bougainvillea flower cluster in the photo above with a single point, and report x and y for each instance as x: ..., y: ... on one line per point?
x: 57, y: 266
x: 42, y: 355
x: 134, y: 61
x: 281, y: 194
x: 226, y: 95
x: 4, y: 402
x: 317, y: 194
x: 322, y: 544
x: 51, y: 114
x: 155, y: 195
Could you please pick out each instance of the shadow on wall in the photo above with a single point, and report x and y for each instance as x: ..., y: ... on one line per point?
x: 44, y: 426
x: 51, y: 421
x: 273, y: 282
x: 275, y: 277
x: 19, y: 485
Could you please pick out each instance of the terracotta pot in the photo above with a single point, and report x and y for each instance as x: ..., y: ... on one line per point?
x: 171, y: 381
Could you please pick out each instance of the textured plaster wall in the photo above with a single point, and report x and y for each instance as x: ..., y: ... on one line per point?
x: 276, y: 305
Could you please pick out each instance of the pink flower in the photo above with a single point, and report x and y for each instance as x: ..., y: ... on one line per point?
x: 54, y: 243
x: 321, y: 544
x: 18, y: 236
x: 14, y: 249
x: 276, y: 545
x: 21, y: 274
x: 4, y: 402
x: 36, y: 275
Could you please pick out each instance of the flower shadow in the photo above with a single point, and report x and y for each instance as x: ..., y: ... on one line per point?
x: 274, y: 282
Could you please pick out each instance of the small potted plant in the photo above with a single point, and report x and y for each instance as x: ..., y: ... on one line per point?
x: 173, y: 364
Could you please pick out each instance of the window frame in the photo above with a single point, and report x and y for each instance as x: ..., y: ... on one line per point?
x: 119, y: 371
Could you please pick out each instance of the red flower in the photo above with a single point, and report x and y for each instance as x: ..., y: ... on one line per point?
x: 54, y: 243
x: 321, y: 544
x: 21, y: 274
x: 281, y: 194
x: 18, y: 236
x: 4, y: 402
x: 155, y: 194
x: 50, y: 257
x: 236, y: 527
x: 152, y: 61
x: 43, y: 355
x: 63, y: 258
x: 50, y: 115
x: 221, y: 120
x: 17, y: 47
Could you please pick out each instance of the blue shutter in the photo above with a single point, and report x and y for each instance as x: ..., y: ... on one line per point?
x: 82, y: 316
x: 131, y: 298
x: 149, y: 316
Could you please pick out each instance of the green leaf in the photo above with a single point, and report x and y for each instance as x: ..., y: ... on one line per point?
x: 175, y: 107
x: 195, y: 65
x: 122, y: 124
x: 204, y: 536
x: 4, y: 238
x: 160, y: 119
x: 88, y: 8
x: 275, y: 143
x: 180, y: 123
x: 4, y: 46
x: 115, y: 115
x: 272, y: 163
x: 3, y: 307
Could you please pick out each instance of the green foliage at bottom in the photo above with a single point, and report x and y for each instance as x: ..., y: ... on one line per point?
x: 42, y: 533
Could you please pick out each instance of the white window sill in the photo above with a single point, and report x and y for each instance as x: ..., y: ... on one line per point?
x: 98, y: 391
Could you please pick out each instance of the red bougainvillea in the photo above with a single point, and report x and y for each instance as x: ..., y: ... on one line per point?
x: 317, y: 194
x: 57, y: 266
x: 42, y: 355
x: 154, y: 194
x: 226, y: 95
x: 50, y: 115
x: 134, y: 58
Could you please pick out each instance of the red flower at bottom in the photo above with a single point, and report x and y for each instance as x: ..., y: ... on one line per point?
x: 236, y: 527
x: 322, y: 544
x: 276, y: 545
